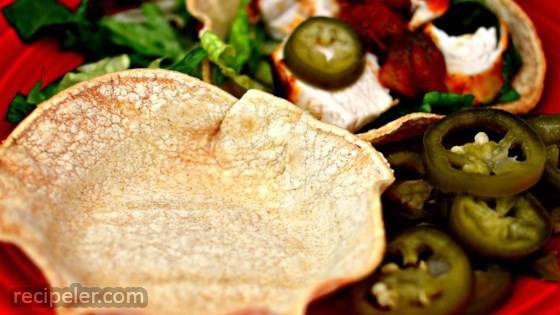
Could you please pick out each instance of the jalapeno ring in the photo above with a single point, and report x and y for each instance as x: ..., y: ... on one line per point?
x: 450, y: 170
x: 432, y: 275
x: 324, y: 51
x: 507, y: 228
x: 491, y: 287
x: 548, y: 127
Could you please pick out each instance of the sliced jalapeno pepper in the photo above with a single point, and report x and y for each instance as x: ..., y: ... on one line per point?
x: 512, y: 227
x: 548, y: 127
x: 408, y: 196
x: 548, y: 266
x: 324, y: 51
x: 429, y: 274
x: 555, y: 219
x: 409, y: 160
x: 484, y: 168
x: 491, y: 287
x: 552, y: 168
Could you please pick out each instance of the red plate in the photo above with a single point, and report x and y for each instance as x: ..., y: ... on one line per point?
x: 21, y: 66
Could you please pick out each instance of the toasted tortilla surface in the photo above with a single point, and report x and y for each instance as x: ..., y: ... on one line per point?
x: 153, y: 179
x: 529, y: 80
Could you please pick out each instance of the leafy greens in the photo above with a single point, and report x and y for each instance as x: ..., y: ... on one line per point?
x: 21, y: 106
x: 154, y: 37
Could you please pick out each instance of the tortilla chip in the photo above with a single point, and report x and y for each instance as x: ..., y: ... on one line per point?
x: 151, y: 178
x: 215, y: 15
x: 402, y: 128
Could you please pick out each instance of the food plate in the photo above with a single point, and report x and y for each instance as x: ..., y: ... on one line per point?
x: 23, y: 65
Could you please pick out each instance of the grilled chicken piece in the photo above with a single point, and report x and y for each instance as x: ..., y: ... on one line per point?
x: 350, y: 107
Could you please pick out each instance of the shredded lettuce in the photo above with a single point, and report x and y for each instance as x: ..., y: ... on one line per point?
x: 445, y: 103
x: 264, y: 74
x: 154, y: 37
x: 22, y: 106
x: 92, y: 70
x: 240, y: 37
x: 512, y: 64
x: 242, y: 53
x: 188, y: 64
x: 224, y: 56
x: 77, y: 31
x: 19, y: 109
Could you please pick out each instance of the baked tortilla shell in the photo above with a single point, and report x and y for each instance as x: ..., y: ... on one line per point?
x: 153, y: 179
x: 402, y: 128
x: 529, y: 80
x: 215, y: 15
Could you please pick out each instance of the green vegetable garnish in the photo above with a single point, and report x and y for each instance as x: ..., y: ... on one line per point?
x: 188, y: 64
x: 548, y: 266
x: 425, y: 272
x: 224, y: 56
x: 445, y: 103
x: 507, y: 228
x: 325, y: 52
x: 92, y: 70
x: 248, y: 40
x: 433, y: 102
x: 484, y: 167
x: 155, y: 37
x: 240, y: 37
x: 22, y: 106
x: 512, y: 64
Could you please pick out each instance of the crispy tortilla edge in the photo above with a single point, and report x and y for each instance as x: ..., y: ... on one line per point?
x: 529, y: 81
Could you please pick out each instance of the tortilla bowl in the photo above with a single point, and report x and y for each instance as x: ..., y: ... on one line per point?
x: 402, y: 128
x: 154, y: 179
x: 528, y: 82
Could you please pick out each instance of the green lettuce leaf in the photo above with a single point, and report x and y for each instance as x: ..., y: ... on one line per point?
x: 38, y: 95
x: 78, y: 31
x: 92, y: 70
x: 445, y: 103
x: 512, y: 64
x: 508, y: 94
x: 19, y: 109
x: 240, y: 37
x: 21, y: 106
x: 155, y: 37
x: 224, y: 56
x: 188, y: 64
x: 263, y: 73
